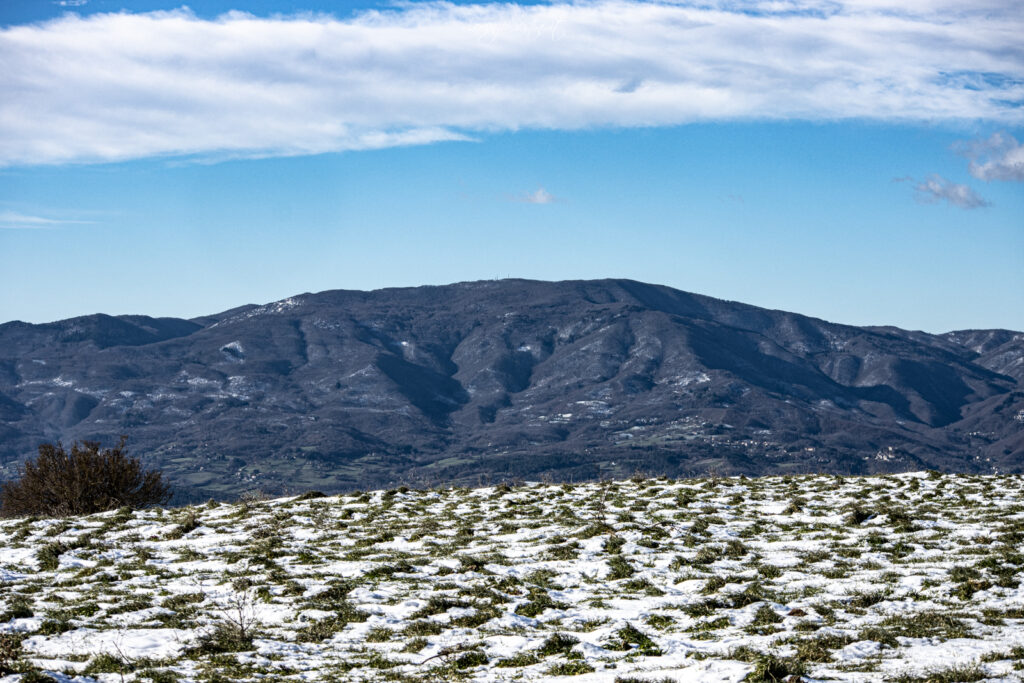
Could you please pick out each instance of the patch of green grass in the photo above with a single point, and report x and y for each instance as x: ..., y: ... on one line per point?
x: 158, y: 675
x: 819, y: 648
x: 107, y: 664
x: 619, y: 568
x: 11, y: 655
x: 133, y: 604
x: 49, y: 556
x: 223, y: 638
x: 765, y: 619
x: 574, y: 668
x: 379, y: 634
x: 415, y: 644
x: 927, y: 624
x: 769, y: 668
x: 320, y: 630
x: 469, y: 660
x: 539, y: 602
x: 520, y: 659
x: 481, y: 616
x: 559, y: 643
x: 705, y: 608
x: 707, y: 555
x: 438, y: 604
x: 18, y: 607
x: 567, y: 551
x: 659, y: 621
x: 613, y: 544
x: 629, y: 637
x: 54, y: 626
x: 642, y: 586
x: 423, y: 627
x: 595, y: 529
x: 865, y: 600
x: 957, y: 673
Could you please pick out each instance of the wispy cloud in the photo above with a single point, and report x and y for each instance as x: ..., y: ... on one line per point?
x: 539, y: 196
x: 1000, y: 157
x: 12, y: 220
x: 111, y: 87
x: 935, y: 188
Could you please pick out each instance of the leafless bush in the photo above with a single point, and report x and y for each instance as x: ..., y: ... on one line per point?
x: 235, y: 627
x: 84, y: 481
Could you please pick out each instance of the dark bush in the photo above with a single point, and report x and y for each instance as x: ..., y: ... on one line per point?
x: 84, y: 481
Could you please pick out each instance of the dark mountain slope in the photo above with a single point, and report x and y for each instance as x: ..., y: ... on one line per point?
x: 1001, y: 351
x: 509, y: 379
x: 101, y: 331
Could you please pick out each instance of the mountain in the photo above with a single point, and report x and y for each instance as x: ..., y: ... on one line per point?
x: 509, y: 379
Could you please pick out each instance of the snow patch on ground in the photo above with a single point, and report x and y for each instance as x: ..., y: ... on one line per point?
x: 859, y: 579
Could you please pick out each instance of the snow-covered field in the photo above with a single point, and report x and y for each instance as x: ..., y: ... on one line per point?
x: 902, y: 578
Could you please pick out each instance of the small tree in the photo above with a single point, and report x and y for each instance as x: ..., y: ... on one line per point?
x: 84, y: 481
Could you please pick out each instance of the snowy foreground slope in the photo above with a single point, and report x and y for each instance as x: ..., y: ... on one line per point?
x: 901, y: 578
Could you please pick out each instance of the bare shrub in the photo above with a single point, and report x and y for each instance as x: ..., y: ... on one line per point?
x: 235, y: 628
x: 86, y: 480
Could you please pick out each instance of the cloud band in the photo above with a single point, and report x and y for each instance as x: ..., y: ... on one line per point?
x: 112, y: 87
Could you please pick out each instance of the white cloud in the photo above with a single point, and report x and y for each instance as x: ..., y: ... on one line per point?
x: 1000, y: 157
x: 935, y: 188
x: 540, y: 196
x: 112, y: 87
x: 12, y: 220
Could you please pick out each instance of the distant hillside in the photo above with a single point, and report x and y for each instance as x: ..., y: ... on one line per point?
x: 510, y: 379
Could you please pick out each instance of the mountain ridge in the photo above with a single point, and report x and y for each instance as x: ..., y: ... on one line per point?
x: 510, y: 378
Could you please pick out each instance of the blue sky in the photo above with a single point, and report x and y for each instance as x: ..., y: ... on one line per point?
x: 791, y: 155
